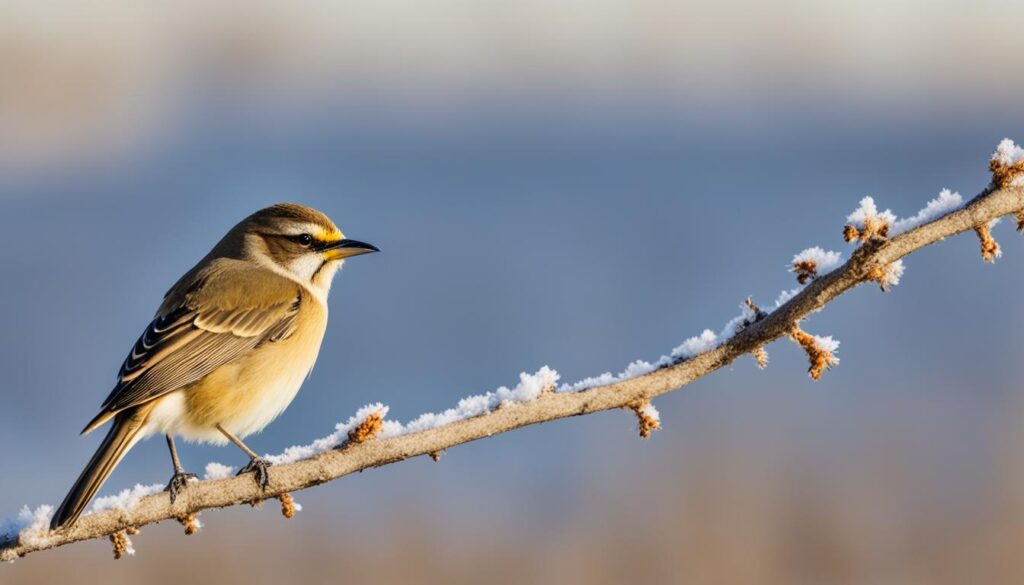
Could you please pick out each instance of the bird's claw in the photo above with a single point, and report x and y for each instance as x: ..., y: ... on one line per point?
x: 258, y: 466
x: 178, y: 482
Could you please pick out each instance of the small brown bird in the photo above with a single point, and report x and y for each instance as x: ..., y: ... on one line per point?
x: 229, y: 348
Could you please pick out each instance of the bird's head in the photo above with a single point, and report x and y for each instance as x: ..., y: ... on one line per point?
x: 299, y: 242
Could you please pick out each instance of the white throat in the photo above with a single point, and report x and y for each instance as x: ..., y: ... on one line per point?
x: 311, y: 273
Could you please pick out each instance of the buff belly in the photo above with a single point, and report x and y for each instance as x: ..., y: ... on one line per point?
x: 243, y: 396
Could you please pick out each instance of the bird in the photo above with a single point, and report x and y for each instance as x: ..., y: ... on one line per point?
x: 228, y: 349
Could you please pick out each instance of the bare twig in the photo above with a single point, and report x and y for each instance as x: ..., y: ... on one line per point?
x: 364, y: 451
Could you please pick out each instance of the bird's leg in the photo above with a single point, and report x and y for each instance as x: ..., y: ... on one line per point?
x: 257, y: 465
x: 180, y: 479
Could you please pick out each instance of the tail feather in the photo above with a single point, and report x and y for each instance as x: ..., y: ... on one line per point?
x: 122, y: 435
x: 97, y: 421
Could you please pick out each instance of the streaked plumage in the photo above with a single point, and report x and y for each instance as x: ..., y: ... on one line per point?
x: 229, y: 346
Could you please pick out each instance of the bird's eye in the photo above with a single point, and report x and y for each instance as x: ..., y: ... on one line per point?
x: 305, y: 240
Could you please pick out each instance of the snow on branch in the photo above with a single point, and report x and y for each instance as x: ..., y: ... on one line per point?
x: 946, y: 201
x: 368, y: 439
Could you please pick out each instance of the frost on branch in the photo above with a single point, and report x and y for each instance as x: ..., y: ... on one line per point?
x: 1007, y: 165
x: 946, y: 202
x: 530, y: 387
x: 866, y: 221
x: 814, y: 262
x: 124, y: 500
x: 820, y: 350
x: 634, y: 369
x: 216, y: 470
x: 688, y: 349
x: 335, y: 439
x: 30, y: 527
x: 370, y: 421
x: 786, y: 296
x: 750, y: 313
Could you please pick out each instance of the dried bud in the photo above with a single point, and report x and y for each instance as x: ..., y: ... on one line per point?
x: 867, y: 222
x: 887, y: 276
x: 648, y: 417
x: 1020, y: 221
x: 850, y: 234
x: 761, y: 355
x: 805, y: 271
x: 990, y: 249
x: 122, y: 545
x: 191, y: 524
x: 287, y: 505
x: 368, y: 429
x: 820, y: 351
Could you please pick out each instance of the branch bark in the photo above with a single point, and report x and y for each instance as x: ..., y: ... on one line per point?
x: 876, y: 253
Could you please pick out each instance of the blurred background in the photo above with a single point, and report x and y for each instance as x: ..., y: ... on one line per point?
x: 572, y: 183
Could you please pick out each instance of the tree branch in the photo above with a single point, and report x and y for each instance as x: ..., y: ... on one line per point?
x: 998, y: 200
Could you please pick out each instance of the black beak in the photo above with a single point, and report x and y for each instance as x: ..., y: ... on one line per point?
x: 347, y: 249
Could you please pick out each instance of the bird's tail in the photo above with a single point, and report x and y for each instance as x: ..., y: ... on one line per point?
x: 122, y: 435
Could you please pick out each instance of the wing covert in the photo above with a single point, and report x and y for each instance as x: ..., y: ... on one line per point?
x: 187, y: 342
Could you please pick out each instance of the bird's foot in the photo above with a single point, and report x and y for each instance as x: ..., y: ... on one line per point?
x: 258, y: 466
x: 178, y: 482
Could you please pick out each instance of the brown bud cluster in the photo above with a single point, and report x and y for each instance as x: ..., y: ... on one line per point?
x: 886, y: 276
x: 191, y: 524
x: 989, y: 247
x: 761, y: 355
x: 646, y: 417
x: 873, y: 226
x: 821, y: 358
x: 1003, y: 174
x: 122, y: 545
x: 806, y: 270
x: 287, y: 505
x: 368, y: 429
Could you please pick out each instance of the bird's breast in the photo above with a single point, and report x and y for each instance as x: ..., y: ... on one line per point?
x: 245, y: 395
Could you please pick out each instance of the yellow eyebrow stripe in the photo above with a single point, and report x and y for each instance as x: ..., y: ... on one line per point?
x: 330, y: 236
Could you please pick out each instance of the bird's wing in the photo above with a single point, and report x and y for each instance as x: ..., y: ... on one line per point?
x: 224, y: 315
